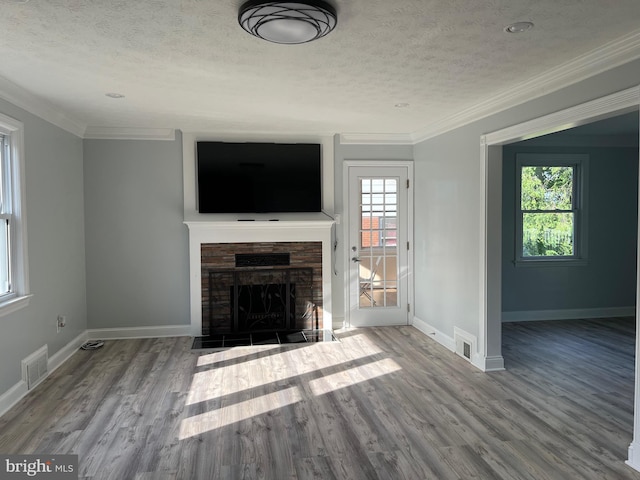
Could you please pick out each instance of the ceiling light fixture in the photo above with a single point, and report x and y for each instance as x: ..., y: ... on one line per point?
x: 518, y: 27
x: 114, y: 95
x: 288, y: 22
x: 401, y: 105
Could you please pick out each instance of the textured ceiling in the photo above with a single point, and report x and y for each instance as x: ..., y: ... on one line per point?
x: 187, y: 64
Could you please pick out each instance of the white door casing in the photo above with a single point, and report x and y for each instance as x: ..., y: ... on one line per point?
x: 490, y: 332
x: 379, y: 242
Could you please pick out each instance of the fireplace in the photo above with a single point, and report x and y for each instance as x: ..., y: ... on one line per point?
x: 293, y: 241
x: 259, y: 300
x: 261, y: 287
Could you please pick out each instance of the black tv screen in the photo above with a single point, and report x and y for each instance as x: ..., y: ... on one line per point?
x: 259, y: 177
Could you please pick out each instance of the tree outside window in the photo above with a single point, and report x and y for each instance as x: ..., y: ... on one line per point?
x: 550, y: 211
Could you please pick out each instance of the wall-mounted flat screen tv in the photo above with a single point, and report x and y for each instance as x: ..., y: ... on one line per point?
x: 259, y: 177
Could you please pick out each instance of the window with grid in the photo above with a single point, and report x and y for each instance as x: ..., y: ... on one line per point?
x: 6, y: 219
x: 14, y: 285
x: 378, y: 242
x: 550, y: 208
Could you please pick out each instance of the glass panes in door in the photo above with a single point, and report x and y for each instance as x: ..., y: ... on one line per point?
x: 378, y: 267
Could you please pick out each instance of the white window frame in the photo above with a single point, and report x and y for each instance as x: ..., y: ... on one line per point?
x: 19, y: 294
x: 580, y: 162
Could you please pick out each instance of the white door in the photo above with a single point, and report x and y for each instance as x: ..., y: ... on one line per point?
x: 378, y: 203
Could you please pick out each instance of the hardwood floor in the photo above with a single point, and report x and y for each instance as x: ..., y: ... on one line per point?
x: 384, y: 403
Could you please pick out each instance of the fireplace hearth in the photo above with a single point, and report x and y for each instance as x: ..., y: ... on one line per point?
x: 295, y: 338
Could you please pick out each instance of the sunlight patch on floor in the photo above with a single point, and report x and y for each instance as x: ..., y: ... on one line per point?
x: 355, y: 375
x: 232, y: 354
x: 232, y: 379
x: 238, y: 412
x: 220, y: 385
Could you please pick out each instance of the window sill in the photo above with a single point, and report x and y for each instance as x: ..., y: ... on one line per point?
x: 14, y: 304
x: 555, y: 262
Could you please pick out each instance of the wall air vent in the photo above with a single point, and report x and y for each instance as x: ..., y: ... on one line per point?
x: 35, y: 367
x: 465, y: 343
x: 466, y: 350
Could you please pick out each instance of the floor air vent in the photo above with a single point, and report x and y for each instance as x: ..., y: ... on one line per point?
x: 35, y: 367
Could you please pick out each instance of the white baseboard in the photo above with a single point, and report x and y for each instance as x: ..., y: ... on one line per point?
x: 65, y: 352
x: 443, y: 339
x: 139, y: 332
x: 634, y: 456
x: 485, y: 364
x: 16, y: 393
x: 568, y: 314
x: 491, y: 364
x: 12, y: 396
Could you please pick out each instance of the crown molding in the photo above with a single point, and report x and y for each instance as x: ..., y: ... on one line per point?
x: 35, y: 105
x: 376, y: 139
x: 614, y: 54
x: 591, y: 141
x: 129, y: 133
x: 598, y: 109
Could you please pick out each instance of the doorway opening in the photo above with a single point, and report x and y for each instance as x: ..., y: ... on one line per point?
x: 490, y: 331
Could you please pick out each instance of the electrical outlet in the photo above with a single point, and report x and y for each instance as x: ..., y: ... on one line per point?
x: 62, y: 322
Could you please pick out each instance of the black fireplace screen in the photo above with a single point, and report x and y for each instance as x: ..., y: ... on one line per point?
x: 259, y: 300
x: 264, y: 307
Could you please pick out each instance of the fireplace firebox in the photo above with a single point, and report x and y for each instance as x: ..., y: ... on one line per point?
x: 258, y: 287
x: 261, y: 299
x: 263, y: 307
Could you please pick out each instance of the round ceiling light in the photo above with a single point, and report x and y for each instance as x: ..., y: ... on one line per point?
x: 288, y: 22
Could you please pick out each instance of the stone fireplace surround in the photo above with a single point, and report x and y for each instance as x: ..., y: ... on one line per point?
x: 210, y: 230
x: 220, y: 271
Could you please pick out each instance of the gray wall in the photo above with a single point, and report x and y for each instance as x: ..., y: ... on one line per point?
x: 447, y: 222
x: 353, y: 152
x: 447, y: 227
x: 137, y: 246
x: 609, y: 278
x: 55, y: 230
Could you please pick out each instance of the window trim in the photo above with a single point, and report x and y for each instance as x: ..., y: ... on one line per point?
x: 580, y: 162
x: 20, y: 293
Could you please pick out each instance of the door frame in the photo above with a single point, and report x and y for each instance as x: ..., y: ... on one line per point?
x: 408, y: 164
x: 490, y: 321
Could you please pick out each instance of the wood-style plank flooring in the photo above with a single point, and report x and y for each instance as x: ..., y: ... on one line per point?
x: 384, y: 403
